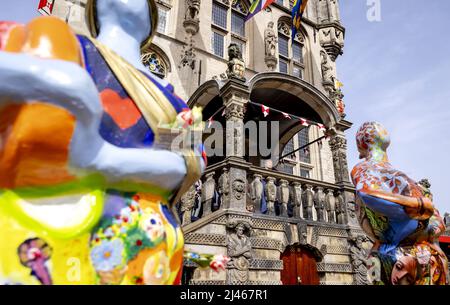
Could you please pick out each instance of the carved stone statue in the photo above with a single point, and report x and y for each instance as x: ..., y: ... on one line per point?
x: 224, y: 186
x: 192, y: 9
x: 319, y: 203
x: 329, y: 205
x: 208, y: 189
x: 327, y: 69
x: 239, y: 249
x: 238, y: 187
x: 187, y: 204
x: 340, y: 209
x: 284, y: 197
x: 236, y: 65
x: 308, y: 202
x: 296, y: 198
x: 271, y: 195
x: 359, y: 259
x: 270, y: 42
x: 256, y: 192
x: 398, y: 214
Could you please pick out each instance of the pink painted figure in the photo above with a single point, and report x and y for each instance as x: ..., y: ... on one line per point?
x: 397, y: 214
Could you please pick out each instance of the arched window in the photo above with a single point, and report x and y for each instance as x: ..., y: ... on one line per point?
x: 228, y: 25
x: 290, y: 54
x: 155, y: 63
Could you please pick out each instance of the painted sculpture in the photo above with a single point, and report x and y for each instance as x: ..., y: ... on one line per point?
x: 398, y: 215
x: 85, y: 198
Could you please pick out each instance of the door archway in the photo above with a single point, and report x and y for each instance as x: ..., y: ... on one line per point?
x: 299, y: 267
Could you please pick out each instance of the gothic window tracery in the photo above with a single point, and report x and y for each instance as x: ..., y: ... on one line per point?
x: 155, y: 63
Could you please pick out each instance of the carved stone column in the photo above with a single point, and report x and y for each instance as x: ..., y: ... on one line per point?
x: 329, y: 205
x: 308, y: 202
x: 296, y: 196
x: 338, y: 145
x: 284, y: 197
x: 271, y: 195
x: 235, y: 96
x: 319, y: 203
x: 208, y: 189
x: 187, y: 204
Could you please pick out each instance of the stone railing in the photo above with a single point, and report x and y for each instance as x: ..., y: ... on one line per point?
x: 266, y: 192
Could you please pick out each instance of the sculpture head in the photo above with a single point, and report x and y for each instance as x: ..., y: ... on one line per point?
x: 234, y: 52
x: 372, y: 140
x: 139, y: 18
x: 270, y: 25
x: 405, y: 271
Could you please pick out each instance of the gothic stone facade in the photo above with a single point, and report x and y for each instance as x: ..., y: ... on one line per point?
x: 312, y: 192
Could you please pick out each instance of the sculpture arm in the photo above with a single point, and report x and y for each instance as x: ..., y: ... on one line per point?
x: 26, y: 78
x: 417, y: 208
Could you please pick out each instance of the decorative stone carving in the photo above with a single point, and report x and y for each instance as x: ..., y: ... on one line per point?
x: 319, y: 203
x: 208, y: 189
x: 329, y: 205
x: 187, y: 204
x: 192, y: 9
x: 340, y: 210
x: 236, y: 65
x: 270, y: 41
x: 238, y: 188
x: 188, y: 54
x: 284, y: 197
x: 302, y: 231
x: 224, y: 186
x: 256, y: 192
x: 239, y: 249
x: 359, y: 259
x: 284, y: 28
x: 296, y: 199
x: 327, y: 72
x: 191, y: 21
x: 308, y: 202
x: 338, y: 145
x: 271, y: 195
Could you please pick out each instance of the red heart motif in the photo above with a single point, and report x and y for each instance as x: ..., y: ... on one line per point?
x: 122, y: 110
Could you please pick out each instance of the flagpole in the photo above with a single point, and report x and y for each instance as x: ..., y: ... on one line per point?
x: 304, y: 146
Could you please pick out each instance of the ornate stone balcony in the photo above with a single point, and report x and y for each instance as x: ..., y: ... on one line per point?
x: 264, y: 192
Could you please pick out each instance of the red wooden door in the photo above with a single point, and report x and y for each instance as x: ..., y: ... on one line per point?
x: 299, y: 267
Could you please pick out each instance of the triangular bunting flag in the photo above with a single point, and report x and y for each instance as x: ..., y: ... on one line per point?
x: 286, y: 115
x: 265, y: 110
x: 210, y: 122
x: 304, y: 122
x: 321, y: 127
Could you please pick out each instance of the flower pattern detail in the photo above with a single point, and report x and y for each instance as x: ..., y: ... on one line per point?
x: 108, y: 255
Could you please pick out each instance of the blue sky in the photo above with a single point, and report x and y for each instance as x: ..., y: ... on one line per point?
x: 395, y: 71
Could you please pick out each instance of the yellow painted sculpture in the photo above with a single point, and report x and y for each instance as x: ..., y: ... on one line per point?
x: 84, y: 196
